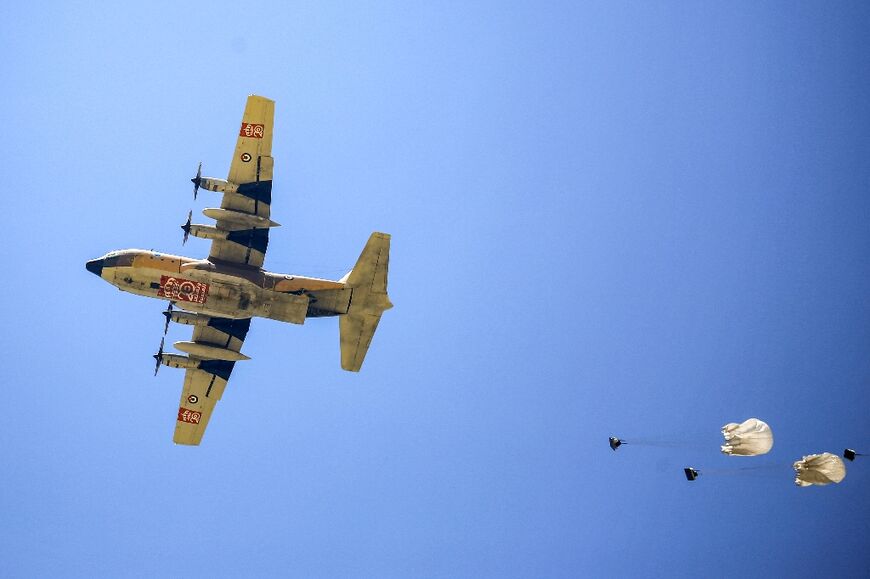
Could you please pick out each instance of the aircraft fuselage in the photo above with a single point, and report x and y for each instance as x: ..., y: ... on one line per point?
x: 222, y: 289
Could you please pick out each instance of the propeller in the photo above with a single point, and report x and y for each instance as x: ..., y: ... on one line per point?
x: 197, y: 180
x: 159, y: 356
x: 186, y: 227
x: 168, y: 315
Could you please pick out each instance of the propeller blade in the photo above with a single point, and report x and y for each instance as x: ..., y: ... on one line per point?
x: 168, y: 315
x: 159, y: 356
x: 197, y: 180
x: 186, y: 227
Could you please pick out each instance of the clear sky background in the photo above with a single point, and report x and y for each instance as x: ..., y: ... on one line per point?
x: 645, y: 219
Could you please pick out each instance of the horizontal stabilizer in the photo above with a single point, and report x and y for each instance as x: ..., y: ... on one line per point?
x: 356, y: 331
x: 368, y: 280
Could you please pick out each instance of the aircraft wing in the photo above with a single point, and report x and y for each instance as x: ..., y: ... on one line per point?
x: 204, y: 386
x: 251, y: 170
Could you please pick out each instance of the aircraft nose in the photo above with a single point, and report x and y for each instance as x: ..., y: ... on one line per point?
x: 95, y: 266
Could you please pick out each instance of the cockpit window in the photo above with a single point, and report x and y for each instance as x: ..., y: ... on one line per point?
x: 119, y: 260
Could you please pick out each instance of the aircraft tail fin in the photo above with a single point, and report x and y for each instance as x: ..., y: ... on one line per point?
x: 368, y: 280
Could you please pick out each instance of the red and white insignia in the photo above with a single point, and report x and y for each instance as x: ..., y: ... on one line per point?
x: 252, y: 131
x: 182, y: 290
x: 189, y: 416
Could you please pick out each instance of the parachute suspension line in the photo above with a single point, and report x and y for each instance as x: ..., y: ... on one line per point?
x: 617, y: 442
x: 778, y: 470
x: 738, y: 470
x: 665, y: 443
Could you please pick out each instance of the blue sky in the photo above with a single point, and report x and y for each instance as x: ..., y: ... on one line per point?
x: 641, y: 219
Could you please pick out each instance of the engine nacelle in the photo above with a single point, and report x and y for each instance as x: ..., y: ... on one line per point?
x: 208, y: 232
x: 189, y: 318
x: 218, y: 185
x: 178, y: 361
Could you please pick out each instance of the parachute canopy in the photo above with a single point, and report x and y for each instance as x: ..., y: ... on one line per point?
x: 819, y: 469
x: 751, y: 438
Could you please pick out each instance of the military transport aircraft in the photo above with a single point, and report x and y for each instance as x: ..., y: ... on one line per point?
x: 221, y: 294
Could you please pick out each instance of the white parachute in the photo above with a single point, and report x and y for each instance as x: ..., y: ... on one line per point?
x: 750, y: 438
x: 819, y: 469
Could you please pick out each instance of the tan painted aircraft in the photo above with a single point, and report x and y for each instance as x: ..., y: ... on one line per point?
x: 221, y: 294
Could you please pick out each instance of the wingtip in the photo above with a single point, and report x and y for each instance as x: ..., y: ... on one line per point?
x: 260, y: 97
